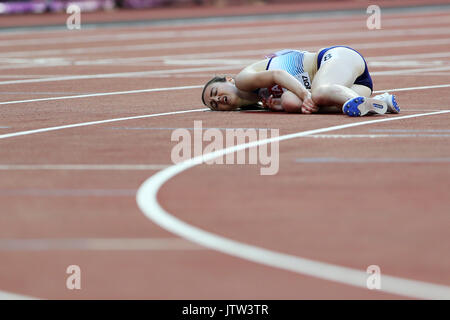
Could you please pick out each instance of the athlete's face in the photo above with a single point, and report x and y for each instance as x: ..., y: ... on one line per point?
x: 222, y: 96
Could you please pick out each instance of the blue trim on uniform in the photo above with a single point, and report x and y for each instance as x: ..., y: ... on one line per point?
x: 364, y: 79
x: 268, y: 64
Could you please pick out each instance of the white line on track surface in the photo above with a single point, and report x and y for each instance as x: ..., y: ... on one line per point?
x: 100, y: 94
x: 125, y: 244
x: 148, y: 203
x: 13, y: 296
x: 83, y: 124
x: 6, y: 295
x: 411, y: 130
x: 371, y: 136
x: 183, y: 70
x: 83, y: 167
x: 117, y: 75
x: 69, y: 62
x: 28, y: 132
x: 371, y: 160
x: 349, y: 276
x: 295, y: 38
x: 233, y: 30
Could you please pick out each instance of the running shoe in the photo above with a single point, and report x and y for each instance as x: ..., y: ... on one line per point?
x: 392, y: 104
x: 360, y: 106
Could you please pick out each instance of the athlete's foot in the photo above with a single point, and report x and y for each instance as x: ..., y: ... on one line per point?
x: 391, y: 102
x: 360, y: 106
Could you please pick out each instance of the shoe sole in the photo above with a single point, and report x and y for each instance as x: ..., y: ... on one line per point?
x: 360, y: 106
x: 396, y: 107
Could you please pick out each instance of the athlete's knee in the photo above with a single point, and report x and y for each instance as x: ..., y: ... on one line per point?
x: 321, y: 94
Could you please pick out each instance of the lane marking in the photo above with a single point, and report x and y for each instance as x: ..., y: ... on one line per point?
x: 102, y: 94
x: 414, y: 88
x: 295, y: 38
x: 180, y: 88
x: 233, y: 30
x: 147, y: 201
x: 14, y: 296
x: 203, y: 128
x: 140, y: 60
x: 234, y: 53
x: 68, y: 192
x: 425, y: 12
x: 21, y: 133
x: 419, y: 56
x: 41, y: 92
x: 83, y: 124
x: 371, y: 136
x: 407, y: 71
x: 372, y: 160
x: 410, y: 130
x: 117, y: 75
x: 99, y: 167
x: 28, y: 132
x: 113, y: 244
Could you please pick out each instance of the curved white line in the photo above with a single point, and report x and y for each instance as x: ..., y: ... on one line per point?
x: 148, y: 203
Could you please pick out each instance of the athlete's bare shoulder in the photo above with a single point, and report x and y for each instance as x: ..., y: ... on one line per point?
x: 257, y: 66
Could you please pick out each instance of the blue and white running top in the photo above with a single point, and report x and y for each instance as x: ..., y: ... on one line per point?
x: 292, y: 62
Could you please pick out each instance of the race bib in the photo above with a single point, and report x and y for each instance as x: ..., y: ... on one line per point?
x: 304, y: 79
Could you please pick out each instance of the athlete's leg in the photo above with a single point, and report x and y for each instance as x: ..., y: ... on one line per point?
x: 333, y: 83
x: 360, y: 90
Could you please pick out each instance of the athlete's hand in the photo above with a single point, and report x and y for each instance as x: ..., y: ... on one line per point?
x: 274, y: 104
x: 308, y: 105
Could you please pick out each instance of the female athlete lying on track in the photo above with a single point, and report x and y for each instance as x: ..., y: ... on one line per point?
x: 332, y: 79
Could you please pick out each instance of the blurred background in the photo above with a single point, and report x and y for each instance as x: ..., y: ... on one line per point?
x: 41, y: 6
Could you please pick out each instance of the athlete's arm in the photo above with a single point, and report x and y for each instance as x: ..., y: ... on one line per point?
x: 249, y: 80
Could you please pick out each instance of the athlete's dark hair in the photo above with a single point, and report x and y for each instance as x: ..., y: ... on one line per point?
x: 213, y: 80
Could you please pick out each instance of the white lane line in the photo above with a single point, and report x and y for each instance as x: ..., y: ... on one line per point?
x: 408, y: 71
x: 235, y: 53
x: 120, y: 74
x: 83, y: 124
x: 233, y: 30
x: 40, y: 92
x: 417, y: 56
x: 21, y: 133
x: 173, y: 128
x: 391, y: 18
x: 13, y: 296
x: 22, y: 76
x: 102, y: 94
x: 179, y: 88
x: 148, y: 203
x: 413, y: 88
x: 411, y: 130
x: 442, y: 74
x: 140, y: 60
x: 68, y: 192
x: 295, y: 38
x: 372, y: 160
x: 98, y: 167
x: 113, y: 244
x: 371, y: 136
